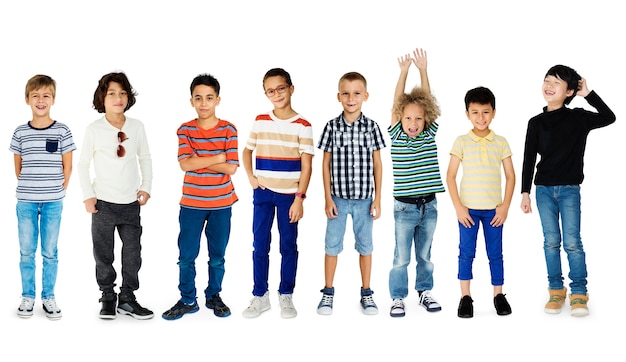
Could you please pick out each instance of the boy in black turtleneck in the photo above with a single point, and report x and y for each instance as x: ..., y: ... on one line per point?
x: 559, y: 135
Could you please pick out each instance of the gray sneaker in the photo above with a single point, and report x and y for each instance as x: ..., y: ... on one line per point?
x: 287, y: 310
x: 257, y: 306
x: 428, y: 301
x: 53, y: 312
x: 25, y: 310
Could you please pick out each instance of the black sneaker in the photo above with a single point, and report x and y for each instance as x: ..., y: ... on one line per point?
x: 219, y: 308
x: 179, y: 310
x: 466, y: 309
x: 109, y: 302
x: 133, y: 309
x: 501, y: 304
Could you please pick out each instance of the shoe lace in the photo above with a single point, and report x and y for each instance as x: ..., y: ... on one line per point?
x: 327, y: 300
x: 51, y: 305
x: 26, y: 304
x: 426, y: 298
x: 286, y: 301
x: 556, y: 298
x: 397, y: 304
x: 368, y: 301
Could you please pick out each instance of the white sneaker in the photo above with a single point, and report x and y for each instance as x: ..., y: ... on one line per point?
x: 397, y: 308
x: 428, y: 302
x: 25, y: 310
x: 287, y: 310
x: 53, y: 312
x: 257, y: 306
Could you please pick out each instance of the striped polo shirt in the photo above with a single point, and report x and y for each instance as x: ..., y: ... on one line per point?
x: 481, y: 158
x: 41, y: 149
x: 278, y: 145
x: 204, y: 188
x: 415, y: 162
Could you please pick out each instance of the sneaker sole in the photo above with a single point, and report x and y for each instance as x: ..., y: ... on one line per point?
x: 250, y: 315
x: 180, y: 316
x: 438, y: 309
x: 25, y: 316
x: 325, y: 311
x: 552, y: 311
x: 370, y: 311
x: 136, y: 316
x: 107, y: 316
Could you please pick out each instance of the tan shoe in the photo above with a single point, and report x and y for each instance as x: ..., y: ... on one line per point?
x: 557, y: 299
x: 578, y: 304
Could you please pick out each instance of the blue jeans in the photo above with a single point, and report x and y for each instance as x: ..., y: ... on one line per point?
x: 268, y: 204
x: 35, y: 220
x: 216, y: 225
x: 362, y: 225
x: 493, y: 244
x: 564, y: 202
x: 415, y: 224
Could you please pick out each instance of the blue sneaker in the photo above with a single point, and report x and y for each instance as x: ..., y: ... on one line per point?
x: 179, y: 310
x: 367, y: 302
x: 325, y: 307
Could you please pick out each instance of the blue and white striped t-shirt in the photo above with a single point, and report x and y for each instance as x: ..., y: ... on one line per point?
x: 41, y: 149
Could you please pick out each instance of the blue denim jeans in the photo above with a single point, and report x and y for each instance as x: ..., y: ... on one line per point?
x: 362, y: 226
x: 216, y: 225
x: 554, y: 202
x: 38, y: 220
x: 268, y: 204
x: 493, y: 244
x: 415, y: 224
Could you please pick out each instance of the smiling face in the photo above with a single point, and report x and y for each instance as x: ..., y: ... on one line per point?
x: 116, y: 99
x: 481, y: 116
x: 40, y: 100
x: 555, y: 91
x: 278, y: 91
x: 204, y: 99
x: 352, y: 94
x: 413, y: 120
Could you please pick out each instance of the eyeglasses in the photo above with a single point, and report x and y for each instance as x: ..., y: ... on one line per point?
x: 280, y: 90
x: 121, y: 137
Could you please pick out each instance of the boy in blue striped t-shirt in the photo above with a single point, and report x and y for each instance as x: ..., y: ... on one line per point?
x: 42, y: 150
x: 416, y: 182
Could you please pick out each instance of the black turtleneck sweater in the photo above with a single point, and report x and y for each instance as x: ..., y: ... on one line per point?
x: 560, y: 137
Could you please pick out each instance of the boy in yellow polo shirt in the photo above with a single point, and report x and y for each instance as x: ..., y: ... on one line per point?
x: 482, y: 154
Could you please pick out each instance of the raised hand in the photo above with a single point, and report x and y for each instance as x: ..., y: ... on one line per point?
x: 419, y: 58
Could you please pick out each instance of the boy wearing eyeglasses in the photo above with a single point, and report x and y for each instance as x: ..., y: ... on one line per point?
x: 208, y: 153
x: 118, y: 147
x: 282, y: 141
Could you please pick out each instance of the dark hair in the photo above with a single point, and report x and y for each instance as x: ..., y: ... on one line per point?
x: 40, y: 81
x: 274, y: 72
x: 352, y: 76
x: 103, y: 86
x: 205, y: 79
x: 567, y: 74
x: 480, y: 95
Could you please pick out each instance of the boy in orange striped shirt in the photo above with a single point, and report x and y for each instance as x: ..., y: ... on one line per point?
x: 208, y: 153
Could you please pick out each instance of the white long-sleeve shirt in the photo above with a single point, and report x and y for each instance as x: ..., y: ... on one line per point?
x: 117, y: 179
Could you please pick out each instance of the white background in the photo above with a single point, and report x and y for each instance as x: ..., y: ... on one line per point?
x: 506, y: 46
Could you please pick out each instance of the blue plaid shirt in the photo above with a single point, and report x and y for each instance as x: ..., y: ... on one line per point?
x: 352, y: 163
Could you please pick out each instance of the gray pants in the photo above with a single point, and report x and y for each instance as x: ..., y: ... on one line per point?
x: 124, y: 217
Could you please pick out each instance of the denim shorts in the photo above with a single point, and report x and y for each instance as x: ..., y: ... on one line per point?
x: 362, y: 223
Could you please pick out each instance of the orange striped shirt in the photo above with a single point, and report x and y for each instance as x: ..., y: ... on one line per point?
x: 204, y: 188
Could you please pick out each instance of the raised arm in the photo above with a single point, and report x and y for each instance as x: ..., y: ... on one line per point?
x: 405, y: 63
x: 420, y: 61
